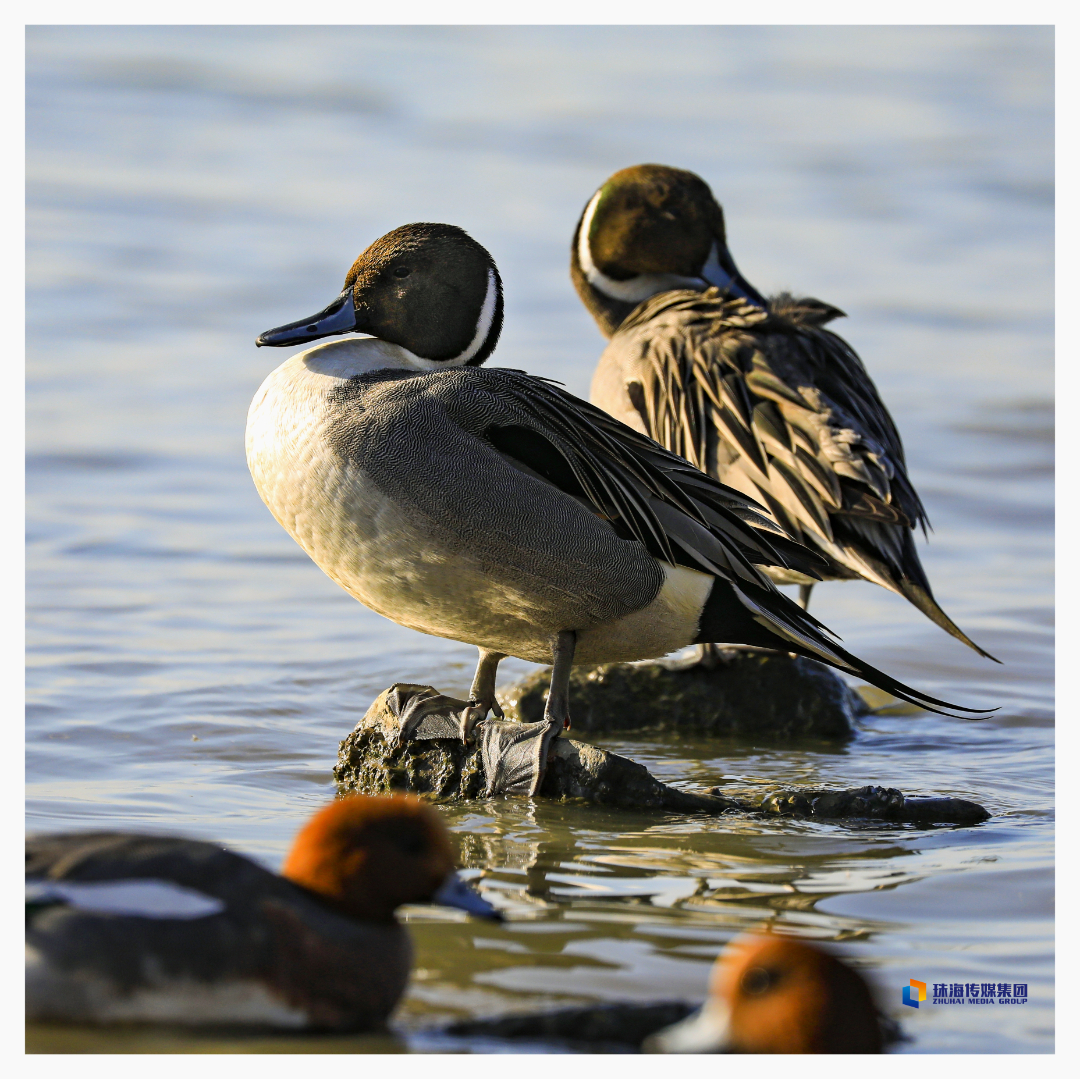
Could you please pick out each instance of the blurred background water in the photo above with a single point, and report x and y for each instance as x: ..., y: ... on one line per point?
x: 191, y: 671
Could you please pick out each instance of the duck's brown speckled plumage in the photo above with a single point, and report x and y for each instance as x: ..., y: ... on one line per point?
x: 767, y: 399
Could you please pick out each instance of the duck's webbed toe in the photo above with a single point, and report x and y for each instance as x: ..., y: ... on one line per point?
x: 515, y: 755
x: 423, y: 712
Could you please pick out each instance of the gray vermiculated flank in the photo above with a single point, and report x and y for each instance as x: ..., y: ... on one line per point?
x: 420, y: 440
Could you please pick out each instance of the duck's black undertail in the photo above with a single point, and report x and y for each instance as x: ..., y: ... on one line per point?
x: 725, y: 619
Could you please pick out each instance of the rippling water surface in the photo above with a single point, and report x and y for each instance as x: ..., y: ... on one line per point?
x: 192, y: 672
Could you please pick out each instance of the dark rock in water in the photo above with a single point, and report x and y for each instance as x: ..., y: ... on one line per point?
x: 373, y: 760
x: 874, y: 803
x: 600, y: 1027
x: 753, y: 692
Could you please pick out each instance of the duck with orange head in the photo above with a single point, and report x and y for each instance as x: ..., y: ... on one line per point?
x: 140, y: 928
x: 775, y: 994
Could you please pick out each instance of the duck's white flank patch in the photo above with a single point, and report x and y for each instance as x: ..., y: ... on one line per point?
x: 667, y: 624
x: 637, y: 288
x: 483, y: 325
x: 138, y: 898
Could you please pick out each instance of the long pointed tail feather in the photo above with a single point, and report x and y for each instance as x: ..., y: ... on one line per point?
x: 925, y: 602
x: 906, y: 693
x: 747, y: 615
x: 903, y: 575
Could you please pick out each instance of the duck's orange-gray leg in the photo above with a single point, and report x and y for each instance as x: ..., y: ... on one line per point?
x: 557, y: 709
x: 515, y: 755
x: 482, y: 693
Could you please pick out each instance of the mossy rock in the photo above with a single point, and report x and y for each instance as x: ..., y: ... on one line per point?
x: 373, y: 760
x: 768, y: 695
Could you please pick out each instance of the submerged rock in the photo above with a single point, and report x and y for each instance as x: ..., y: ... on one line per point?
x: 599, y: 1027
x: 749, y: 691
x: 374, y: 760
x: 875, y: 803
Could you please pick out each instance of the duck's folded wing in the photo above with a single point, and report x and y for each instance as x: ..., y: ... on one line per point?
x: 784, y: 410
x: 93, y: 858
x: 780, y: 403
x: 646, y: 492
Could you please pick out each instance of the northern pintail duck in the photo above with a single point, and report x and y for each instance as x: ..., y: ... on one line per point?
x: 493, y: 507
x: 140, y: 928
x: 775, y: 994
x: 752, y: 391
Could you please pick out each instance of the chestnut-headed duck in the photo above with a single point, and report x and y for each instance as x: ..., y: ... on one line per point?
x: 774, y: 994
x: 141, y: 928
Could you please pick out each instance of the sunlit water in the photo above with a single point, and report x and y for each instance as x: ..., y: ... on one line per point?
x: 192, y: 672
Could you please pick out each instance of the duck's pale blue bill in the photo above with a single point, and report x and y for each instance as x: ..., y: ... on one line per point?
x: 339, y: 317
x: 456, y: 893
x: 723, y: 273
x: 705, y: 1031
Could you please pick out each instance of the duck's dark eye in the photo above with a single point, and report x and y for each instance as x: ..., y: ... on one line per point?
x: 758, y: 980
x: 402, y: 271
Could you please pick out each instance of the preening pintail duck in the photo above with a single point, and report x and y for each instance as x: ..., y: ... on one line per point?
x: 775, y: 994
x: 493, y: 507
x: 755, y: 392
x: 127, y: 928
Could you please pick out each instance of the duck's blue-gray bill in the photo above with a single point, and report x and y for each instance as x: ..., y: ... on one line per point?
x: 339, y: 317
x: 456, y: 893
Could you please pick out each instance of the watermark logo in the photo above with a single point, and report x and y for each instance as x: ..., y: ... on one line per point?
x: 914, y: 993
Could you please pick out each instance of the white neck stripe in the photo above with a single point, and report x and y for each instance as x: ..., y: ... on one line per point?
x: 483, y: 325
x: 637, y: 288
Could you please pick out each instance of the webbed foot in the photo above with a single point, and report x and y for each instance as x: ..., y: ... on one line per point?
x: 423, y: 712
x: 515, y: 755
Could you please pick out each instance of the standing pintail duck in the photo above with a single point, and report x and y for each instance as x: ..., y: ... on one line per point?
x: 489, y: 506
x: 127, y: 928
x: 752, y: 391
x: 775, y: 994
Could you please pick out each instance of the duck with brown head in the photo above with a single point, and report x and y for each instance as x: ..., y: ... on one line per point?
x: 128, y: 928
x: 651, y: 229
x: 492, y: 507
x: 754, y: 392
x: 427, y: 288
x: 775, y: 994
